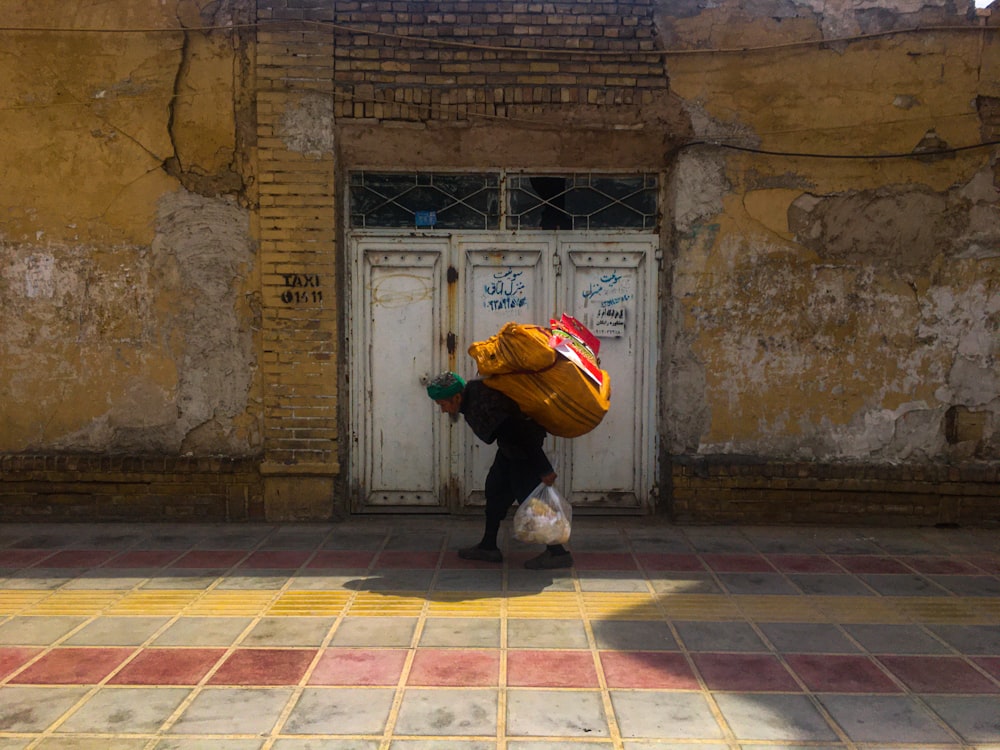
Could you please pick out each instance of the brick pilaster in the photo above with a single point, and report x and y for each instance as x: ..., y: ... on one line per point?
x: 297, y: 227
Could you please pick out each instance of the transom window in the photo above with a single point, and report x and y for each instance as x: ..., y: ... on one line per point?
x: 581, y: 201
x: 428, y: 200
x: 516, y: 201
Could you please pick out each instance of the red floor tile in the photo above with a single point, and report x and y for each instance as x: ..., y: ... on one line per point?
x: 604, y: 561
x: 356, y: 666
x: 458, y: 668
x: 723, y: 563
x: 804, y: 564
x: 673, y: 561
x: 275, y: 559
x: 451, y: 561
x: 871, y: 564
x: 19, y: 558
x: 147, y: 558
x: 13, y: 658
x: 942, y: 566
x: 73, y: 666
x: 989, y: 563
x: 568, y: 669
x: 407, y: 559
x: 990, y: 664
x: 78, y: 558
x: 336, y: 558
x: 168, y: 666
x: 744, y: 672
x: 840, y: 674
x: 655, y: 670
x: 209, y: 558
x: 263, y: 666
x: 938, y: 674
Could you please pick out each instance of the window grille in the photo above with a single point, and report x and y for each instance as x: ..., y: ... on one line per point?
x: 585, y: 201
x: 427, y: 200
x: 582, y: 201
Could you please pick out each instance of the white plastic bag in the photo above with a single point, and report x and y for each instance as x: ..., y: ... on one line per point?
x: 544, y: 517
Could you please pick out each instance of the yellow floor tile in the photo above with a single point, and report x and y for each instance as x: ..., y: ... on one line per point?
x: 935, y: 610
x: 858, y: 610
x: 621, y: 606
x: 778, y: 609
x: 377, y: 605
x: 310, y: 604
x: 165, y: 602
x: 545, y: 605
x: 75, y: 602
x: 231, y: 603
x: 984, y: 610
x: 457, y: 604
x: 12, y: 602
x: 699, y: 607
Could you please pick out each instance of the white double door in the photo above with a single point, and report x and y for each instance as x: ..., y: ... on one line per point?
x: 418, y: 301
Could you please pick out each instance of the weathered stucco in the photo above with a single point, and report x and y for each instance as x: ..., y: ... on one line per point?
x: 307, y: 125
x: 825, y: 308
x: 127, y: 301
x: 830, y: 284
x: 135, y: 348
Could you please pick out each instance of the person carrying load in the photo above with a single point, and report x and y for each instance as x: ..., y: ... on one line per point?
x: 535, y: 381
x: 519, y: 466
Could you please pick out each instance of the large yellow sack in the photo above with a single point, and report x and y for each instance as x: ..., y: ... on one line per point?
x: 519, y: 362
x: 560, y: 398
x: 516, y: 348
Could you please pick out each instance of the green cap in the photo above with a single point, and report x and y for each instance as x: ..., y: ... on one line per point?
x: 445, y: 385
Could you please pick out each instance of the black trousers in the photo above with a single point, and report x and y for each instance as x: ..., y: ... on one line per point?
x: 508, y: 482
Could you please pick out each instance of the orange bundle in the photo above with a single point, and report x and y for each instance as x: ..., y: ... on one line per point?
x: 556, y: 392
x: 517, y: 348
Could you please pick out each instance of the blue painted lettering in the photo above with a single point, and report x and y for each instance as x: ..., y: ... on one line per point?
x: 505, y: 291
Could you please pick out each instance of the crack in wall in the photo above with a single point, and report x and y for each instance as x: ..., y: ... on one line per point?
x: 172, y: 164
x: 190, y: 163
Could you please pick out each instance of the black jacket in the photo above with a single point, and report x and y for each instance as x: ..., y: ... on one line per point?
x: 494, y: 416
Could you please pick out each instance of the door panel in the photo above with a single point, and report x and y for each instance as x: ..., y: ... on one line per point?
x: 608, y: 288
x: 409, y: 293
x: 504, y: 282
x: 405, y: 440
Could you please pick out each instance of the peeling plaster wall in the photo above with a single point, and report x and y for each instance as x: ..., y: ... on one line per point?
x: 833, y: 309
x: 814, y: 308
x: 127, y: 280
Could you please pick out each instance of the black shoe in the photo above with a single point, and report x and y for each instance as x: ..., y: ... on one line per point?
x: 549, y: 561
x: 481, y: 553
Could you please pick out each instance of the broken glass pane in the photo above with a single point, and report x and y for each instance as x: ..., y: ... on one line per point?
x: 582, y: 201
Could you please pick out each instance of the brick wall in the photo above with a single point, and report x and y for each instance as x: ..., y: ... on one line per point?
x: 459, y: 59
x: 297, y: 244
x: 721, y: 490
x: 116, y: 488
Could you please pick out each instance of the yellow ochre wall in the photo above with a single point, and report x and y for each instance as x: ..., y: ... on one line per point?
x: 127, y: 259
x: 835, y: 308
x: 830, y: 286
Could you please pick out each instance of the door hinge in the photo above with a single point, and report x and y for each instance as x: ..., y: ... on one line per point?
x: 452, y: 342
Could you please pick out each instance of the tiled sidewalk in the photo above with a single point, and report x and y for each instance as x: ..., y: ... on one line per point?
x: 372, y: 634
